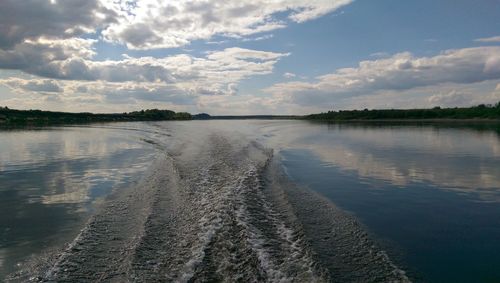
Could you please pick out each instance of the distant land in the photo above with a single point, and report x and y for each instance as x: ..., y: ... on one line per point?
x: 39, y: 118
x: 205, y: 116
x: 482, y: 111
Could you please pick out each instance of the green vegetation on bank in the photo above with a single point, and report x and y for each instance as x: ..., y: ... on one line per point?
x: 476, y: 112
x: 12, y: 117
x: 38, y: 117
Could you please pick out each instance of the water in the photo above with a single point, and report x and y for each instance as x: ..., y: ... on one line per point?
x: 51, y: 180
x: 251, y: 201
x: 430, y: 194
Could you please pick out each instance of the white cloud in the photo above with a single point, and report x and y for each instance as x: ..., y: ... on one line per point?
x: 178, y: 79
x: 455, y: 97
x: 41, y: 32
x: 379, y: 55
x: 68, y: 60
x: 150, y: 24
x: 445, y: 95
x: 53, y: 44
x: 233, y: 105
x: 49, y: 42
x: 259, y: 38
x: 489, y: 39
x: 166, y: 24
x: 400, y: 72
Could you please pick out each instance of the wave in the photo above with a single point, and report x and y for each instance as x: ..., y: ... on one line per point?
x: 218, y: 208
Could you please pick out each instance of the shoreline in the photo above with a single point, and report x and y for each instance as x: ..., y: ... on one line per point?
x: 7, y: 126
x: 439, y: 120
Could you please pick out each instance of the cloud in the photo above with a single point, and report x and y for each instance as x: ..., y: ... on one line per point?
x: 235, y: 105
x: 150, y: 23
x: 465, y: 96
x: 133, y: 93
x: 453, y: 97
x: 380, y: 55
x: 444, y: 95
x: 42, y: 56
x: 289, y: 75
x: 488, y: 39
x: 99, y: 91
x: 70, y: 60
x: 53, y: 43
x: 400, y: 72
x: 259, y: 38
x: 167, y: 24
x: 33, y: 19
x: 34, y: 85
x: 178, y: 78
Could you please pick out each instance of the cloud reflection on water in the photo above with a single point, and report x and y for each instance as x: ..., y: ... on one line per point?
x: 462, y: 160
x: 51, y: 179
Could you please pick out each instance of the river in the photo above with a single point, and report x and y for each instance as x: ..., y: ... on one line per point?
x: 251, y: 200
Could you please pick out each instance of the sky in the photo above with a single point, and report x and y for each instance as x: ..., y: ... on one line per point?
x: 248, y: 56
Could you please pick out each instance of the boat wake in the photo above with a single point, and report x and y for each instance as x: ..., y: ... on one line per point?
x: 217, y: 208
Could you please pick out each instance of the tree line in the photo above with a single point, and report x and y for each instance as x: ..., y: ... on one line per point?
x: 482, y: 111
x: 39, y: 117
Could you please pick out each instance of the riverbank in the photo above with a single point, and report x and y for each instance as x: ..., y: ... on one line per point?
x: 476, y: 114
x: 479, y: 112
x: 13, y: 117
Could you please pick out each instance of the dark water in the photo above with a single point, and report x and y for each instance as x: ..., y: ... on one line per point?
x: 431, y: 195
x: 251, y: 201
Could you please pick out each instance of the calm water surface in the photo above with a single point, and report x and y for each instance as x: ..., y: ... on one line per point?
x: 429, y: 194
x: 51, y: 180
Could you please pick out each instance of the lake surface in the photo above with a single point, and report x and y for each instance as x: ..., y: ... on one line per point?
x: 428, y: 194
